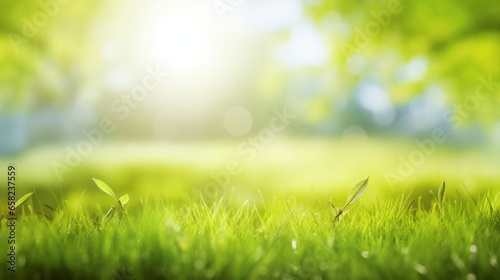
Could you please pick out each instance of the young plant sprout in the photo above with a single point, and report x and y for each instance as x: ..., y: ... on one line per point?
x: 25, y: 198
x: 355, y: 192
x: 121, y: 201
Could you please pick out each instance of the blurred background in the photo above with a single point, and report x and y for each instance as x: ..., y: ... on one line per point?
x: 199, y: 98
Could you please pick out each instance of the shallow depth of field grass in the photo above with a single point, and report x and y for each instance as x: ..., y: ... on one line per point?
x: 271, y: 238
x: 275, y: 220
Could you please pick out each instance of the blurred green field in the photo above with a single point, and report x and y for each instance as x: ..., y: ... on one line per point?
x: 273, y: 219
x: 311, y: 168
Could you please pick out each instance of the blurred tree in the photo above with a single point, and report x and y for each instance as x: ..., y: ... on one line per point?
x: 457, y: 42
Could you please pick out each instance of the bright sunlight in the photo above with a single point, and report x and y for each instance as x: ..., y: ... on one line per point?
x: 184, y: 40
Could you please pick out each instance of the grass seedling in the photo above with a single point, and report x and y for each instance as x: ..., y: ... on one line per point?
x: 355, y: 192
x: 107, y: 189
x: 25, y: 198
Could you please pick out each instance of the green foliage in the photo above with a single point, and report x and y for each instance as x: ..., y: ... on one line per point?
x: 456, y: 26
x: 461, y: 43
x: 23, y: 200
x: 104, y: 187
x: 107, y: 190
x: 20, y: 202
x: 265, y: 241
x: 355, y: 192
x: 442, y: 194
x: 123, y: 199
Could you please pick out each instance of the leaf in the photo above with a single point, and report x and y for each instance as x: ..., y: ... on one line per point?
x: 23, y: 199
x: 124, y: 199
x: 442, y: 193
x: 356, y: 191
x: 104, y: 187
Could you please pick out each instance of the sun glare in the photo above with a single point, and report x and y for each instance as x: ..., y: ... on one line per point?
x: 184, y: 41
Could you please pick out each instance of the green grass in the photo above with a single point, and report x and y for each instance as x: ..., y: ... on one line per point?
x: 269, y: 238
x: 273, y: 221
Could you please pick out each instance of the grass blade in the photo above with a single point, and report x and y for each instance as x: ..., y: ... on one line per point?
x: 409, y: 205
x: 23, y: 199
x: 104, y: 187
x: 109, y: 214
x: 442, y: 193
x: 356, y: 191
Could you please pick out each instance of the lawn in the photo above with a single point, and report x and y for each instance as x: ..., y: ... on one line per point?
x: 423, y: 231
x: 275, y: 238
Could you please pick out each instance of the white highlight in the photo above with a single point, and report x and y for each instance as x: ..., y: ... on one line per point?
x: 184, y: 39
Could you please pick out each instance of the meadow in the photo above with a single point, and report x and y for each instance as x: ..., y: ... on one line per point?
x: 423, y: 231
